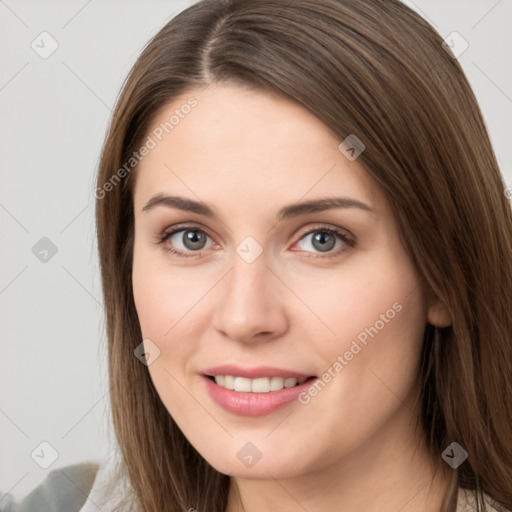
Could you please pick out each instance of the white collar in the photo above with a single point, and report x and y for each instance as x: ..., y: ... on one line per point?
x: 110, y: 487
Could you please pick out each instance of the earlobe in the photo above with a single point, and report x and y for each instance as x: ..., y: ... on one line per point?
x: 439, y: 315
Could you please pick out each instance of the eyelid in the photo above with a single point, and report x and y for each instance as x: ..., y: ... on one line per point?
x: 183, y: 227
x: 161, y: 238
x: 327, y: 227
x: 349, y: 242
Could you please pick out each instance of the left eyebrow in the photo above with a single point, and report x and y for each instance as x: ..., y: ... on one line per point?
x: 287, y: 212
x: 320, y: 205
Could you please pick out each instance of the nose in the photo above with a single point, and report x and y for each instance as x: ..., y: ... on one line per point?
x: 250, y: 305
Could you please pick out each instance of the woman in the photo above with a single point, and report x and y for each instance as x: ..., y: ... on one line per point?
x: 305, y: 250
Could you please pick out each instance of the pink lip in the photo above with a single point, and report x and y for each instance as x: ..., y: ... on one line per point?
x: 252, y: 373
x: 253, y: 404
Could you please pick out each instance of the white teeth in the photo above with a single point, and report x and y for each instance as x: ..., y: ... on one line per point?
x: 290, y: 382
x: 276, y: 383
x: 242, y: 384
x: 229, y: 382
x: 259, y: 385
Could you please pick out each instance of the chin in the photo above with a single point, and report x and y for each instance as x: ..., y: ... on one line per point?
x: 242, y: 466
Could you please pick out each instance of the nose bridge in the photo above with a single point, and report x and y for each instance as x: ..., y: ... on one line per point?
x: 247, y: 287
x: 248, y: 305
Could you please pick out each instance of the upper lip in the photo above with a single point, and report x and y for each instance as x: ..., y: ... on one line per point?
x: 253, y: 373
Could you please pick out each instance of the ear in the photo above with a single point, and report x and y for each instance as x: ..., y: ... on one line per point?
x: 438, y: 313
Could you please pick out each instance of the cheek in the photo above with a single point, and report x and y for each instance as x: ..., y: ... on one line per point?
x: 371, y: 363
x: 165, y: 295
x: 165, y: 301
x: 372, y: 297
x: 173, y: 306
x: 370, y: 322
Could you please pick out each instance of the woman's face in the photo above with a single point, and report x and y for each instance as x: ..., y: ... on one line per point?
x: 288, y: 266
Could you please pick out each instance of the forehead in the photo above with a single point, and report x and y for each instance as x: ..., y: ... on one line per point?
x: 233, y: 144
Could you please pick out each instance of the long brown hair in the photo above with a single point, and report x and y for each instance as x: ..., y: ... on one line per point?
x: 377, y: 70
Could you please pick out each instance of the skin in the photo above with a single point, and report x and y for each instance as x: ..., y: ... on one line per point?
x: 247, y: 154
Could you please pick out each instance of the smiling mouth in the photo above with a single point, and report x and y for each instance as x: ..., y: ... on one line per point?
x: 258, y: 385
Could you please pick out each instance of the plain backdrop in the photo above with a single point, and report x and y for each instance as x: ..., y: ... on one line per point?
x: 54, y: 113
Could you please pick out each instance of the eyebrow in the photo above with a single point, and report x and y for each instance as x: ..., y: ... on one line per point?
x: 287, y: 212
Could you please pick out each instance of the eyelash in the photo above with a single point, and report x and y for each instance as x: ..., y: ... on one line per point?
x: 161, y: 239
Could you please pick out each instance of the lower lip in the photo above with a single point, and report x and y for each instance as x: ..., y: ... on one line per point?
x: 254, y: 404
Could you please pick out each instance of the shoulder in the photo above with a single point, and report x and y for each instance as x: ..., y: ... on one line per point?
x: 467, y: 502
x: 64, y: 490
x: 85, y: 487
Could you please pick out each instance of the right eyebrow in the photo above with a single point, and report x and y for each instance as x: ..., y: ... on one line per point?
x: 181, y: 203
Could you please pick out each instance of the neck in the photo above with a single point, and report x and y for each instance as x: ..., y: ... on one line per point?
x: 392, y: 471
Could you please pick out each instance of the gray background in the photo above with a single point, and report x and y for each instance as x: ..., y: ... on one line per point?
x: 54, y: 111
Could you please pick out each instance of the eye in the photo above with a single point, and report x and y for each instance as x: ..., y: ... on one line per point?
x: 190, y: 241
x: 183, y: 241
x: 325, y: 239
